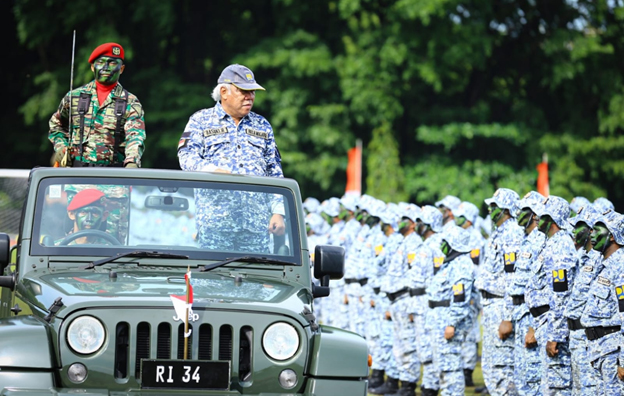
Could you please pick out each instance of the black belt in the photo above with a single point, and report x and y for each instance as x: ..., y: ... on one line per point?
x: 436, y: 304
x: 376, y: 290
x: 594, y: 333
x: 363, y: 281
x: 80, y: 164
x: 537, y: 311
x: 517, y: 300
x: 487, y: 294
x: 575, y: 324
x: 397, y: 294
x: 419, y: 291
x: 350, y: 281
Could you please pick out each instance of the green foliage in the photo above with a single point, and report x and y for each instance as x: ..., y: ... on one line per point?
x: 449, y: 97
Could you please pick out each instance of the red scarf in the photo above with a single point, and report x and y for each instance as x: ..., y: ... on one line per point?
x: 103, y: 91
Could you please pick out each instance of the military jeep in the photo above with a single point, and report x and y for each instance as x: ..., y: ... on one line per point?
x: 144, y: 281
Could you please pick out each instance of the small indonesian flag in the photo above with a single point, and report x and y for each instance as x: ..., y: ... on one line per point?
x: 182, y: 304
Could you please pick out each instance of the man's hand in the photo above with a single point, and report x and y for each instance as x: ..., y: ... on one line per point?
x: 59, y: 156
x: 411, y: 318
x: 276, y: 225
x: 449, y: 332
x: 221, y: 170
x: 345, y: 300
x: 388, y: 315
x: 505, y: 329
x: 529, y: 339
x: 131, y: 165
x: 621, y: 373
x: 551, y: 348
x: 372, y: 303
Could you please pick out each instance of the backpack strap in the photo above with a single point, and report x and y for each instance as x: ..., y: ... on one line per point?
x: 83, y: 108
x: 120, y: 110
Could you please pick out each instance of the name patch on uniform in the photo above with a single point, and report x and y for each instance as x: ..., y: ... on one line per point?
x: 588, y: 268
x: 604, y: 281
x: 560, y: 280
x: 620, y: 295
x: 215, y: 131
x: 510, y: 261
x: 458, y: 293
x: 256, y: 133
x: 526, y: 255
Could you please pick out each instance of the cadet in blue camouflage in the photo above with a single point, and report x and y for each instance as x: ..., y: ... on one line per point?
x: 449, y: 294
x: 585, y: 378
x: 527, y: 360
x: 602, y: 316
x: 547, y: 292
x: 495, y: 273
x: 96, y: 145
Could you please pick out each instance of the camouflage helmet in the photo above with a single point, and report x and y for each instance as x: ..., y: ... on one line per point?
x: 431, y: 216
x: 587, y: 214
x: 557, y: 208
x: 468, y: 210
x: 532, y: 200
x: 350, y: 202
x: 331, y: 207
x: 450, y: 201
x: 506, y: 199
x: 603, y: 205
x: 311, y: 205
x: 458, y: 238
x: 615, y: 224
x: 578, y: 202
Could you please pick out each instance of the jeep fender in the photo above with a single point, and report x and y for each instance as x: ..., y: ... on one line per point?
x: 338, y: 353
x: 24, y: 342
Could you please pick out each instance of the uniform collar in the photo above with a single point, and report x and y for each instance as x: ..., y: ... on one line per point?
x: 221, y: 114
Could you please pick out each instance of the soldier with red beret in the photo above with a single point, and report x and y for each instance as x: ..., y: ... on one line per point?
x: 88, y: 212
x: 100, y: 123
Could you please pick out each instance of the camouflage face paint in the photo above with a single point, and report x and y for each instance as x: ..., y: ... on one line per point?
x: 581, y: 233
x: 445, y: 247
x: 107, y: 70
x: 89, y: 217
x: 460, y: 221
x: 525, y: 217
x: 308, y: 229
x: 600, y: 237
x: 371, y: 221
x: 327, y: 218
x: 404, y: 226
x: 343, y: 214
x: 495, y: 213
x: 385, y: 228
x: 544, y: 223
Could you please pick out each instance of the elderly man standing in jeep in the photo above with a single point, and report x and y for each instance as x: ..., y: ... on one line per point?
x: 230, y: 138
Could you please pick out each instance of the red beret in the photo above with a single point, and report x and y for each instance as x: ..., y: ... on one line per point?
x: 113, y: 50
x: 85, y: 198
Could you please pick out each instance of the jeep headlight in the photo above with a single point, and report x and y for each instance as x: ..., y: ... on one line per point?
x: 85, y: 335
x: 280, y: 341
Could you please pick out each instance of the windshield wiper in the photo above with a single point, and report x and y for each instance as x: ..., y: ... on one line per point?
x: 136, y: 253
x: 245, y: 259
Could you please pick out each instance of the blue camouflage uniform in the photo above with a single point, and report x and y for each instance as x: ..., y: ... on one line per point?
x: 494, y: 274
x: 317, y: 235
x: 602, y: 316
x: 585, y: 378
x: 470, y: 212
x: 527, y: 361
x: 546, y: 293
x: 333, y: 304
x: 397, y: 290
x: 448, y: 294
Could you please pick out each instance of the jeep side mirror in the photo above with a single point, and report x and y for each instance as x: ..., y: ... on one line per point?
x: 328, y: 264
x: 5, y: 251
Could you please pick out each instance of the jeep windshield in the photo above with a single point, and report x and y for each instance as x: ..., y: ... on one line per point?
x: 199, y: 219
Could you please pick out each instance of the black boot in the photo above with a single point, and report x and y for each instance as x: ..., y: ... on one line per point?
x: 407, y: 389
x: 376, y: 379
x: 482, y: 390
x: 390, y: 387
x: 468, y: 377
x: 428, y: 392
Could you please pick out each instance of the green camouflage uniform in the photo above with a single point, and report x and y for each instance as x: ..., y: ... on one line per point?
x: 99, y: 128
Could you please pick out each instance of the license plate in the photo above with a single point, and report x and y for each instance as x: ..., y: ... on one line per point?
x: 185, y: 374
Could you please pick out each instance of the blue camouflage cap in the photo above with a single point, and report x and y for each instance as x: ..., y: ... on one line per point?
x: 431, y: 216
x: 240, y: 76
x: 411, y: 212
x: 350, y: 202
x: 506, y: 199
x: 317, y: 224
x: 331, y: 207
x: 458, y: 238
x: 615, y: 224
x: 532, y: 200
x: 557, y: 208
x: 587, y: 214
x: 468, y: 210
x: 390, y: 216
x: 451, y: 202
x: 311, y: 204
x: 578, y: 202
x: 603, y: 205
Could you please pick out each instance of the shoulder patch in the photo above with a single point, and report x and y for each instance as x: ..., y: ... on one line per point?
x: 378, y: 250
x: 620, y: 295
x: 604, y: 281
x: 474, y: 253
x: 458, y: 293
x: 256, y: 133
x: 215, y: 131
x: 437, y: 263
x: 560, y: 280
x: 510, y: 262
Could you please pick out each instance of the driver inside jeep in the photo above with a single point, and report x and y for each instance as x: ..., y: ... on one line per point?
x: 88, y: 213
